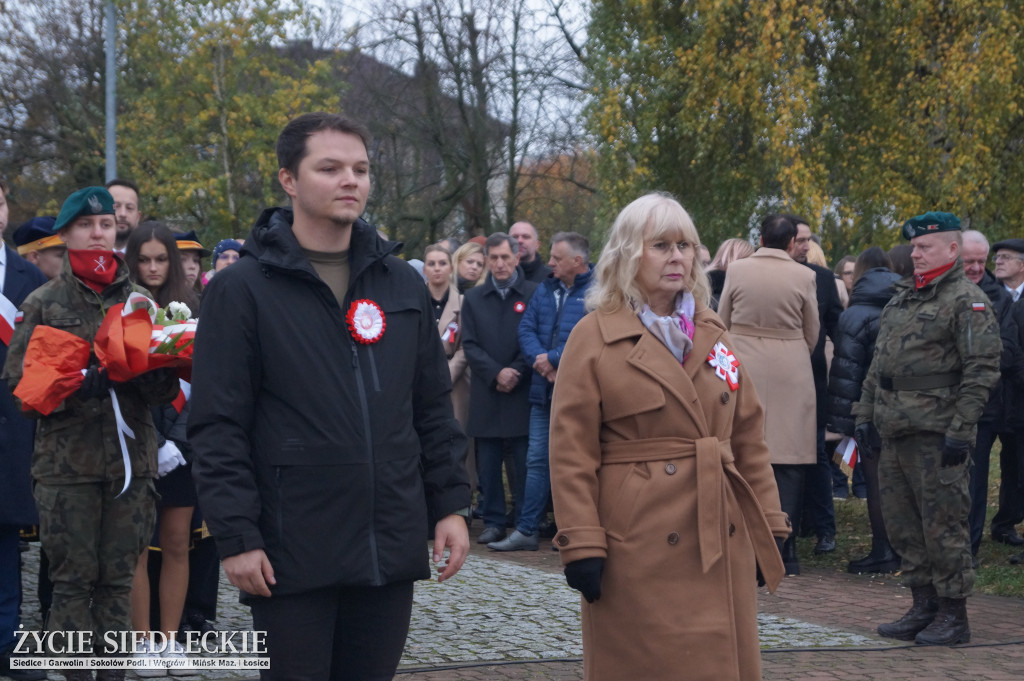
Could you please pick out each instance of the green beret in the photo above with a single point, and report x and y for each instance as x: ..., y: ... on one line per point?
x: 929, y: 223
x: 88, y: 201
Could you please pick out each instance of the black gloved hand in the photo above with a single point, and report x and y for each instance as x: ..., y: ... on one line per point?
x: 760, y: 577
x: 154, y: 376
x: 869, y: 442
x: 584, y: 575
x: 954, y: 452
x: 96, y: 383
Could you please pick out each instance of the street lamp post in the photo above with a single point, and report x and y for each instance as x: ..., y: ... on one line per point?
x: 111, y: 92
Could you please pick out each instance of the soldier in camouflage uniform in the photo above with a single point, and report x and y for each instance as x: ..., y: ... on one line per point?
x: 936, y: 359
x: 92, y: 534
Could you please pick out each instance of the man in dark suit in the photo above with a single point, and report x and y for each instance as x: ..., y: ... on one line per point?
x: 18, y: 278
x: 818, y: 509
x: 499, y: 408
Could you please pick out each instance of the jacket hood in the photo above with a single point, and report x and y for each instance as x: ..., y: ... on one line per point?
x: 272, y: 242
x: 874, y: 288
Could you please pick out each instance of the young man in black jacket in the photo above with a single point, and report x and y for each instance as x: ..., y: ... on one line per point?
x: 321, y: 421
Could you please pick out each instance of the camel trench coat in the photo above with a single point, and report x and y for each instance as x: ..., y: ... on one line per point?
x: 661, y: 469
x: 458, y: 367
x: 770, y: 306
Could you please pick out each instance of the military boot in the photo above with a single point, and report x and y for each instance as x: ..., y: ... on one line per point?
x: 949, y: 626
x: 920, y: 615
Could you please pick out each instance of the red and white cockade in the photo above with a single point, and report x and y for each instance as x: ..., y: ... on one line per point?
x: 726, y: 365
x: 365, y: 321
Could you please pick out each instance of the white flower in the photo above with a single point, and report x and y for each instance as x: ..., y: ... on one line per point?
x: 179, y: 311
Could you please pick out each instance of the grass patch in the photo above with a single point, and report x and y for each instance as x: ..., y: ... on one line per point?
x: 995, y: 575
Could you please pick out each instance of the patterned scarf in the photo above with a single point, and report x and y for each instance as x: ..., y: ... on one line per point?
x: 675, y: 330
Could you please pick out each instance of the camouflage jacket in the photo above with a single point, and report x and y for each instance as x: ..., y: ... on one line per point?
x: 78, y: 442
x: 945, y: 328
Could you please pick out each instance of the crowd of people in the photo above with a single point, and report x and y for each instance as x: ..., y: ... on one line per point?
x: 99, y: 549
x: 672, y: 421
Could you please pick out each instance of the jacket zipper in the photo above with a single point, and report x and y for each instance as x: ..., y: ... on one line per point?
x: 373, y: 370
x: 331, y: 302
x: 369, y: 450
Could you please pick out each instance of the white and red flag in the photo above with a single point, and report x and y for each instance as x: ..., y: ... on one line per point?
x: 9, y: 316
x: 847, y: 449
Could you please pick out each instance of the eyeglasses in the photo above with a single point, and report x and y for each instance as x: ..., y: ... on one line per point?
x: 1003, y: 257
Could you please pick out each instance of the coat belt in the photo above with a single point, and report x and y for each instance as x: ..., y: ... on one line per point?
x: 765, y: 332
x: 714, y: 457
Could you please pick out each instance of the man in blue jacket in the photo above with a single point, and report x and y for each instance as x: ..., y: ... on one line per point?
x: 553, y: 311
x: 325, y: 444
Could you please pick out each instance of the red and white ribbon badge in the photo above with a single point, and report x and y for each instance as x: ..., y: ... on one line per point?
x: 519, y: 307
x: 451, y: 333
x: 365, y: 321
x: 726, y: 365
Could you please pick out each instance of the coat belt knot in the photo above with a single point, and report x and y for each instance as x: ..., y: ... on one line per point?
x: 714, y: 465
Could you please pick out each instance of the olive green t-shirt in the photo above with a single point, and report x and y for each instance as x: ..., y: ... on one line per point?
x: 333, y: 268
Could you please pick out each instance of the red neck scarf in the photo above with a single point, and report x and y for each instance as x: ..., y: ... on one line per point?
x: 925, y: 278
x: 96, y: 269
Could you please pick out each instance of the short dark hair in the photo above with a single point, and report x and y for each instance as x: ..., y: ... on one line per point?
x: 119, y: 182
x: 795, y: 219
x: 499, y: 238
x: 777, y: 231
x: 3, y: 186
x: 577, y: 242
x: 291, y: 143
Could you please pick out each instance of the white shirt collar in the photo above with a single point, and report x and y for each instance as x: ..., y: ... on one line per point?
x: 1016, y: 292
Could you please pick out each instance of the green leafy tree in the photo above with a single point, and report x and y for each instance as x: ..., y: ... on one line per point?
x: 711, y: 100
x: 926, y: 106
x: 206, y: 88
x: 51, y: 100
x: 854, y: 114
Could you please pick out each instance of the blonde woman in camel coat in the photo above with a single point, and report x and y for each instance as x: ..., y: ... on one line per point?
x: 661, y: 479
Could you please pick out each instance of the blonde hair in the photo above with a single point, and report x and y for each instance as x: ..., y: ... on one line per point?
x: 464, y: 251
x: 652, y: 216
x: 816, y: 256
x: 730, y: 250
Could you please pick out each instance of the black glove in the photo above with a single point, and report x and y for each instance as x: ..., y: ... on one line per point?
x: 96, y: 383
x: 868, y: 440
x: 155, y: 376
x: 954, y: 452
x: 778, y: 545
x: 584, y: 575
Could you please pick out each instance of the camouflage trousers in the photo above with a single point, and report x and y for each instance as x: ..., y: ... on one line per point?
x: 93, y: 539
x: 925, y: 510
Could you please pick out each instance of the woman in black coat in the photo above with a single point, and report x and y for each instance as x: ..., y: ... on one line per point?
x: 854, y: 347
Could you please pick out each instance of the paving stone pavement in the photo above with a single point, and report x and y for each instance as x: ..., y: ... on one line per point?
x: 510, y: 616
